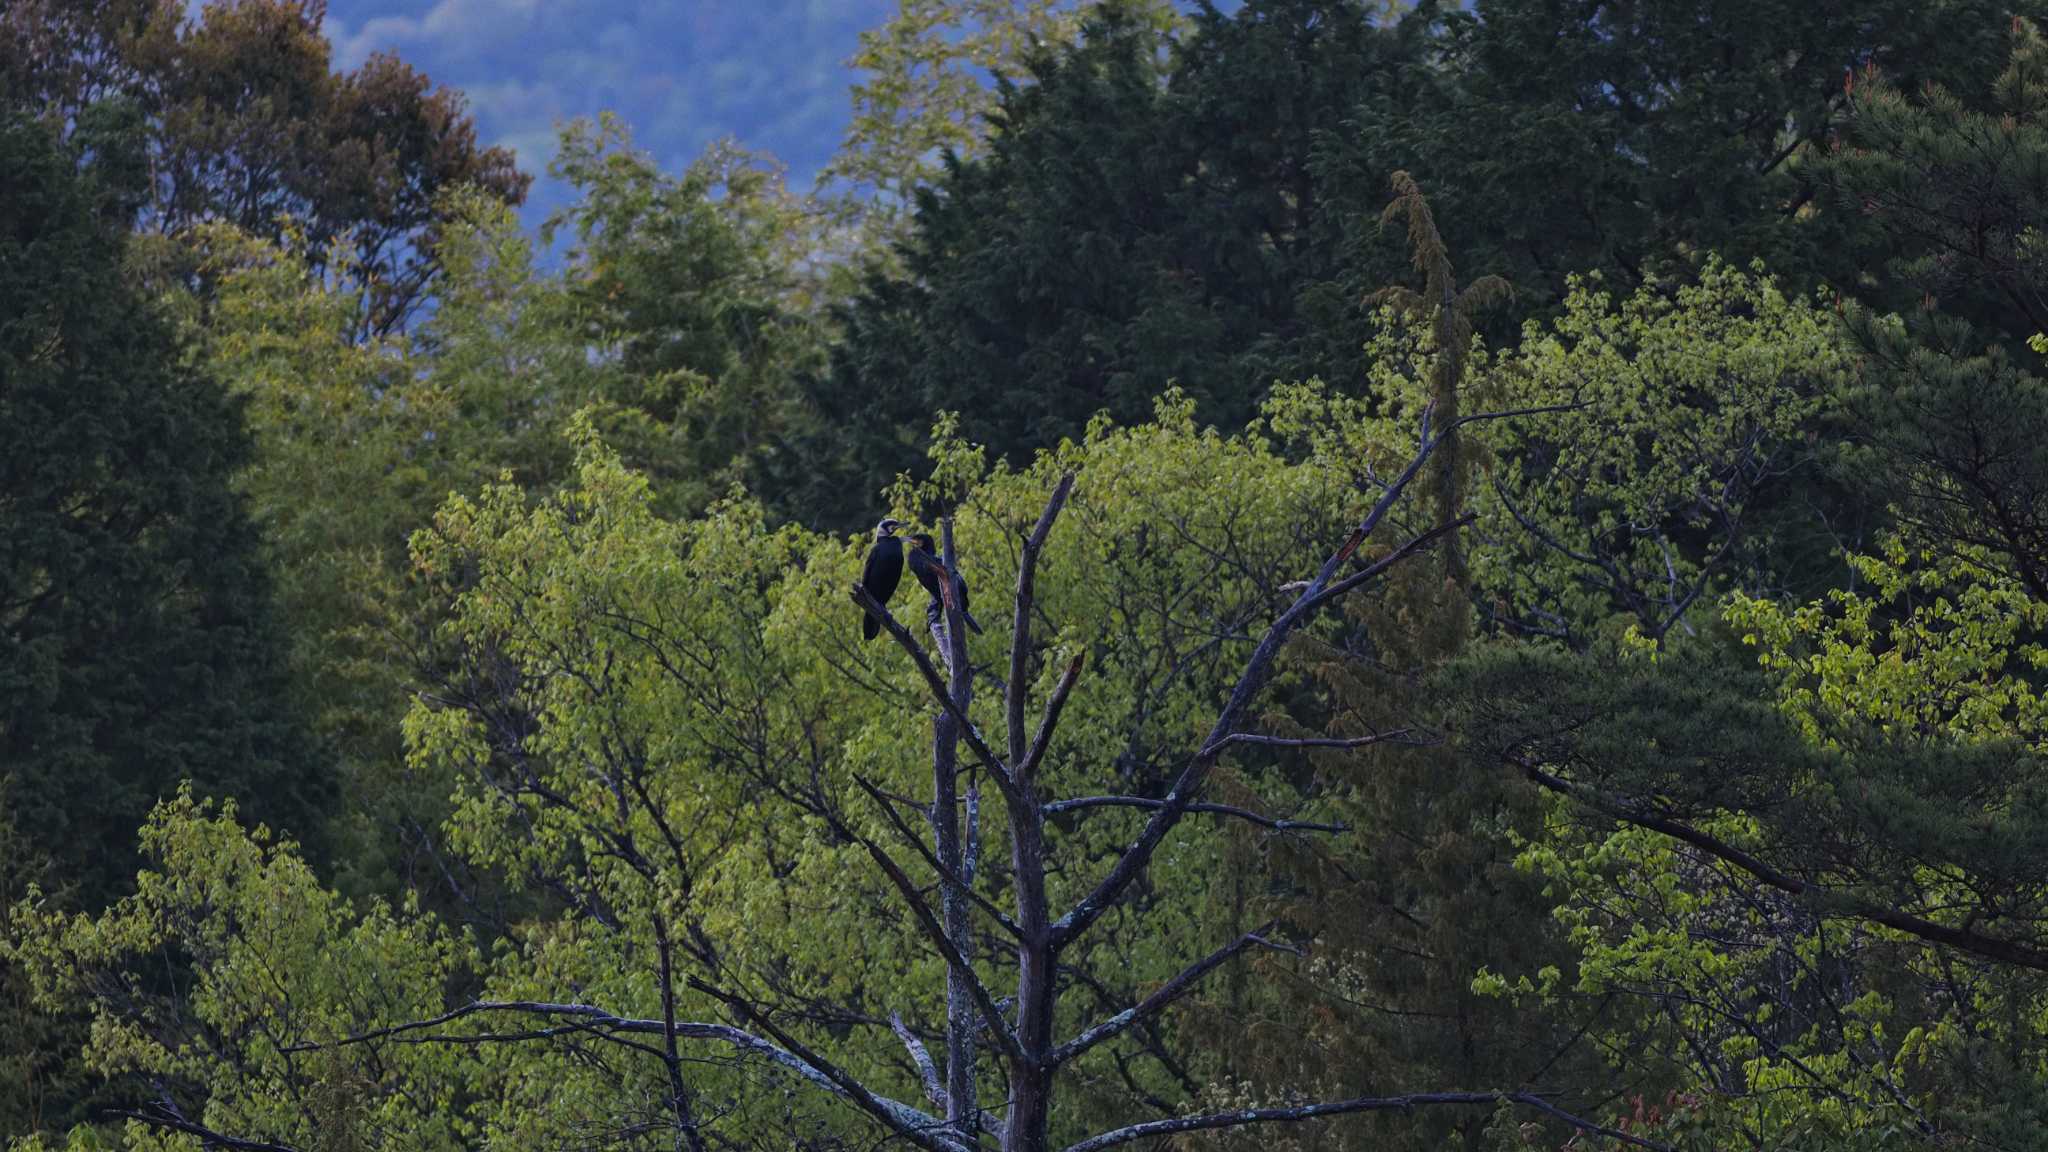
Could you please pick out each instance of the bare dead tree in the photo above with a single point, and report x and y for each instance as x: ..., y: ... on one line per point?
x: 1018, y: 1032
x: 1031, y: 1056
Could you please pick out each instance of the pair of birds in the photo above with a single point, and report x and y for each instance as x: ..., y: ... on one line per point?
x: 884, y: 570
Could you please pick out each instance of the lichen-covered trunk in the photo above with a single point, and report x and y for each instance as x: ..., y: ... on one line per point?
x: 1031, y: 1082
x: 963, y: 1111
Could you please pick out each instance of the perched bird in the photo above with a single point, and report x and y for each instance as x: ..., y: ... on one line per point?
x: 883, y: 572
x: 925, y: 565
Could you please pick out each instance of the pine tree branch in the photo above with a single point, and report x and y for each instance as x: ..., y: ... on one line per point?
x: 1823, y: 899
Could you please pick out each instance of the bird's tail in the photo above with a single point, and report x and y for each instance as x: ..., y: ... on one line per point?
x: 973, y: 625
x: 870, y: 627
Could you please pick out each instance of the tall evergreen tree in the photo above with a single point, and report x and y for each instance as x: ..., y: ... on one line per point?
x: 1147, y: 214
x: 136, y: 641
x: 1625, y: 138
x: 248, y: 123
x: 1950, y: 416
x: 1199, y: 209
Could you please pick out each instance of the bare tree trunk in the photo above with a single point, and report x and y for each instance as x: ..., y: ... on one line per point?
x: 963, y: 1112
x: 687, y: 1135
x: 1030, y: 1078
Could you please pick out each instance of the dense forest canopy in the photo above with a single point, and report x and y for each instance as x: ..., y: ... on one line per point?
x: 1478, y: 578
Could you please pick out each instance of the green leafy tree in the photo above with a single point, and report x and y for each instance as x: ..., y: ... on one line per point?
x: 1806, y: 893
x: 928, y: 84
x: 1199, y: 208
x: 702, y: 293
x: 670, y: 736
x: 1676, y: 459
x: 248, y: 124
x: 1421, y: 894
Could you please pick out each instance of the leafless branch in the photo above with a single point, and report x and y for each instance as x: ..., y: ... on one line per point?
x: 968, y: 731
x: 165, y: 1114
x: 1138, y: 856
x: 1053, y: 706
x: 1277, y: 825
x: 992, y: 1017
x: 1397, y: 736
x: 1247, y: 1116
x: 1168, y: 992
x: 899, y: 1116
x: 910, y: 837
x: 1020, y: 630
x: 1379, y: 567
x: 920, y: 1056
x: 920, y: 1128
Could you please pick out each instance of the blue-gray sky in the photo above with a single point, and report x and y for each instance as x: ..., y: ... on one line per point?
x: 682, y: 73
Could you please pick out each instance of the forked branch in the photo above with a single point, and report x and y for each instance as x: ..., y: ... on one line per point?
x: 1324, y: 587
x: 937, y: 683
x: 1020, y: 627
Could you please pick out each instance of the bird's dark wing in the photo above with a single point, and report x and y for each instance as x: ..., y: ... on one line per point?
x: 883, y: 572
x: 973, y: 625
x: 927, y: 570
x: 922, y: 568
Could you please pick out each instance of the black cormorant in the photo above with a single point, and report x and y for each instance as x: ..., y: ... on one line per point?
x: 883, y: 572
x: 925, y: 565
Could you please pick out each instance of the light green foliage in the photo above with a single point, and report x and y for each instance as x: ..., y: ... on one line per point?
x: 716, y: 666
x: 616, y: 708
x: 1936, y: 645
x: 702, y: 292
x: 1907, y: 780
x: 355, y: 442
x: 1739, y: 1018
x: 226, y: 960
x: 927, y: 88
x: 928, y: 84
x: 681, y: 317
x: 344, y: 456
x: 654, y: 727
x: 1689, y: 408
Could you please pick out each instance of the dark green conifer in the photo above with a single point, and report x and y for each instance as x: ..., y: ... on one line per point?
x: 136, y: 643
